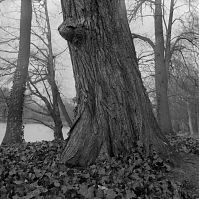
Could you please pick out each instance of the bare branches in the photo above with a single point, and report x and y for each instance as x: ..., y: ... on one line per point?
x: 146, y: 39
x: 138, y: 7
x: 41, y: 122
x: 190, y: 36
x: 8, y: 40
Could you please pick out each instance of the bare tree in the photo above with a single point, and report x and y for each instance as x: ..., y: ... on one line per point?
x: 45, y: 74
x: 14, y: 131
x: 162, y: 60
x: 185, y: 74
x: 164, y: 47
x: 162, y: 52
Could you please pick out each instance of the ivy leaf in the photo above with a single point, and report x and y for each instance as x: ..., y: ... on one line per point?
x: 86, y: 192
x: 110, y: 194
x: 35, y: 193
x: 130, y: 194
x: 83, y: 190
x: 102, y: 187
x: 18, y: 182
x: 12, y: 172
x: 38, y: 172
x: 64, y: 188
x: 86, y: 175
x: 91, y: 191
x: 102, y: 171
x: 16, y: 197
x: 99, y: 193
x: 57, y: 184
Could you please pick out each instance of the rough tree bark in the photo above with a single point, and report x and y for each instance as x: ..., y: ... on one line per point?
x: 14, y: 131
x: 161, y: 71
x: 113, y: 107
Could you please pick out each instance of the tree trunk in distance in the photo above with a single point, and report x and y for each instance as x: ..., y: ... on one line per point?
x: 192, y: 117
x: 197, y: 116
x: 14, y: 131
x: 58, y: 134
x: 64, y: 111
x: 113, y: 107
x: 161, y: 72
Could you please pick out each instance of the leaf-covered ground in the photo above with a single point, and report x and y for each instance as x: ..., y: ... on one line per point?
x: 31, y: 170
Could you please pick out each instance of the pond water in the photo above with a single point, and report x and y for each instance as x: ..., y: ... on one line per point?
x: 34, y: 132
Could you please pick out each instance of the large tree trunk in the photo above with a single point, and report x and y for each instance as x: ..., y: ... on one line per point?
x: 113, y: 107
x: 161, y: 71
x: 14, y: 131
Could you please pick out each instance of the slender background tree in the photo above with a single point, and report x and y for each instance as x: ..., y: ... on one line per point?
x: 14, y: 129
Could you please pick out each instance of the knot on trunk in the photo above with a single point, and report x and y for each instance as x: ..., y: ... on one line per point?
x: 73, y: 31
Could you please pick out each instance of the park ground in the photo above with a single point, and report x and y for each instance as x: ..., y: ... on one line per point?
x: 32, y: 170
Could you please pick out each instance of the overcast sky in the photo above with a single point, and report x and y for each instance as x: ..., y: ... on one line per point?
x: 10, y: 17
x: 9, y: 12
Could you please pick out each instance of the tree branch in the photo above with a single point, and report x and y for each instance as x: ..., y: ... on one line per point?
x: 145, y: 39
